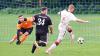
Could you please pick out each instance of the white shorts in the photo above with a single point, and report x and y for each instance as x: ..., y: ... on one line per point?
x: 62, y: 30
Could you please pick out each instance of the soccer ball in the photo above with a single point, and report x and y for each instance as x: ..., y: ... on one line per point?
x: 80, y: 40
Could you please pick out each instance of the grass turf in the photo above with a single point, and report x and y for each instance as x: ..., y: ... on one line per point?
x: 90, y: 32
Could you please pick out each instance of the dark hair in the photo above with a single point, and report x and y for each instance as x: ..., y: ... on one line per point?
x: 20, y: 15
x: 44, y: 8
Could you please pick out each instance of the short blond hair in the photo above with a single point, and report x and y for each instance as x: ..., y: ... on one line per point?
x: 71, y: 6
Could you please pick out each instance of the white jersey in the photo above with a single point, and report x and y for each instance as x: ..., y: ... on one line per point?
x: 66, y: 17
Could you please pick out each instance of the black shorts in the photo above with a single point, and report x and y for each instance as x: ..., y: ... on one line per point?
x: 29, y: 30
x: 41, y: 37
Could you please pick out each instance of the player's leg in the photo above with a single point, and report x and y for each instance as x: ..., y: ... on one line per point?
x: 57, y: 42
x: 15, y: 37
x: 19, y: 33
x: 70, y: 31
x: 43, y: 40
x: 35, y: 44
x: 24, y: 36
x: 26, y: 33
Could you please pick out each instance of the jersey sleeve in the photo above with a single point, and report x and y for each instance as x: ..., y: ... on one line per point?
x: 72, y: 17
x: 29, y: 19
x: 49, y: 21
x: 18, y: 26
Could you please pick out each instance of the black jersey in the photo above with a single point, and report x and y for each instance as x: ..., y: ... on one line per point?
x: 42, y: 22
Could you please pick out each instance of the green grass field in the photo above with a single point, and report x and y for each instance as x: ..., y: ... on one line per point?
x: 89, y: 31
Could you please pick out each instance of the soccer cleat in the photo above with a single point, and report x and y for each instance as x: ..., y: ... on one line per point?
x: 35, y: 47
x: 18, y: 42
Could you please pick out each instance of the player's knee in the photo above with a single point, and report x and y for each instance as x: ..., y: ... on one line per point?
x: 26, y: 33
x: 57, y: 43
x: 42, y: 44
x: 20, y: 33
x: 69, y: 30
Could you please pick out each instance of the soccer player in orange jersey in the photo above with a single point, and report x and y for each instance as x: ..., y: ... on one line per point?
x: 24, y: 28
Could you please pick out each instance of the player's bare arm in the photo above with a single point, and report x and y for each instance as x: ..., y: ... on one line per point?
x: 81, y: 21
x: 51, y: 29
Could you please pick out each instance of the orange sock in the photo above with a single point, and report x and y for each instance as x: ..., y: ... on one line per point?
x: 23, y: 38
x: 14, y: 37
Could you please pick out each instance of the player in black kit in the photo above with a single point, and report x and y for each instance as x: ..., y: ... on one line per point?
x: 43, y: 25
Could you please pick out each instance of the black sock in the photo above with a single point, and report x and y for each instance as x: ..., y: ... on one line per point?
x: 33, y: 48
x: 18, y: 42
x: 42, y: 44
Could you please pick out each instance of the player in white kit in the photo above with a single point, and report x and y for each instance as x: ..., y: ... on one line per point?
x: 66, y: 17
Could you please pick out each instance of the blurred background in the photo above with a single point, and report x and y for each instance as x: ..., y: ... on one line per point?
x: 32, y: 6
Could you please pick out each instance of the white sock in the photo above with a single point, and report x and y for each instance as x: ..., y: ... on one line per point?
x: 73, y: 36
x: 52, y: 47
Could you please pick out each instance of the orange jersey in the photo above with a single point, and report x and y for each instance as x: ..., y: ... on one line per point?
x: 27, y: 23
